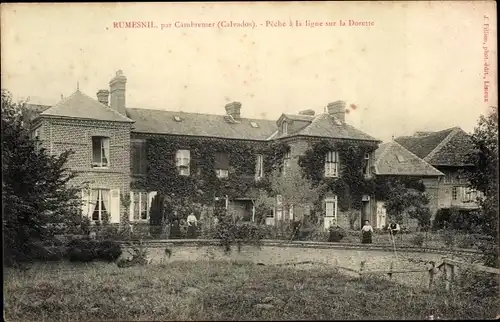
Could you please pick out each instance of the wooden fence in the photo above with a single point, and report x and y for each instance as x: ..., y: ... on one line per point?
x: 448, y: 267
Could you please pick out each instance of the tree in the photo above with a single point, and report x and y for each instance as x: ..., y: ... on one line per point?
x: 295, y: 190
x: 407, y: 198
x: 35, y: 191
x: 483, y: 177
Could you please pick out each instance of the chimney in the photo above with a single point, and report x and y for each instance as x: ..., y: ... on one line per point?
x: 117, y: 92
x: 307, y: 112
x: 233, y: 109
x: 337, y: 109
x: 103, y: 96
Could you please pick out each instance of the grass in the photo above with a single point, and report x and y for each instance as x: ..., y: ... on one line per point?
x: 222, y: 290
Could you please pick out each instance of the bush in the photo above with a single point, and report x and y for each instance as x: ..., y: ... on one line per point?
x: 86, y: 250
x: 418, y: 240
x: 139, y: 255
x: 478, y: 284
x: 448, y: 237
x: 46, y: 253
x: 231, y: 232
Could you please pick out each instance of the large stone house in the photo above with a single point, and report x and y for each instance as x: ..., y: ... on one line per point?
x: 392, y: 160
x: 446, y: 150
x: 115, y: 147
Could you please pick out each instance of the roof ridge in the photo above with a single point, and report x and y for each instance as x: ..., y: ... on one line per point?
x: 106, y: 106
x: 442, y: 143
x: 64, y: 99
x: 196, y: 113
x: 416, y: 156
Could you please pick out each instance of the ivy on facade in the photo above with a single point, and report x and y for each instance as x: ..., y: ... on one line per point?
x: 351, y: 183
x: 202, y: 185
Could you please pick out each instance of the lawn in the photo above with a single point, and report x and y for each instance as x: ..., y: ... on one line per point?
x: 221, y: 290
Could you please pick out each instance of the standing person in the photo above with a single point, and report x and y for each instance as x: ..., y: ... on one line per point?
x: 394, y: 229
x: 192, y: 224
x: 366, y: 232
x: 336, y: 234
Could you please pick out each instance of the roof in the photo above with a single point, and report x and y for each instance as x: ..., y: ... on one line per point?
x: 325, y: 125
x: 156, y: 121
x: 422, y: 145
x: 81, y: 106
x: 299, y: 117
x: 442, y: 148
x: 393, y: 159
x: 196, y: 124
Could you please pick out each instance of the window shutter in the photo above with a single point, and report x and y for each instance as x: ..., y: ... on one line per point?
x: 151, y: 195
x: 85, y: 203
x: 221, y: 161
x: 131, y: 210
x: 114, y: 206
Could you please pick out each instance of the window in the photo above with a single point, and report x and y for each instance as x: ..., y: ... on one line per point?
x: 367, y: 165
x: 100, y: 152
x: 177, y: 119
x: 284, y: 128
x: 139, y: 158
x: 449, y: 178
x: 141, y: 204
x: 331, y: 164
x: 254, y: 125
x: 400, y: 158
x: 182, y: 160
x: 99, y: 204
x: 331, y: 211
x: 286, y: 161
x: 36, y: 137
x: 221, y: 165
x: 454, y: 193
x: 259, y: 172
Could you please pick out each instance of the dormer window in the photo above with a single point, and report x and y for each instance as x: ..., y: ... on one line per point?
x: 284, y: 128
x: 254, y: 125
x: 400, y: 158
x: 177, y: 118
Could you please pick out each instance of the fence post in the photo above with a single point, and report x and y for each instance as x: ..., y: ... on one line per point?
x: 432, y: 272
x: 390, y: 270
x: 448, y: 269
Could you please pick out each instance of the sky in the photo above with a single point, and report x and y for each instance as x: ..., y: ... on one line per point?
x: 414, y: 66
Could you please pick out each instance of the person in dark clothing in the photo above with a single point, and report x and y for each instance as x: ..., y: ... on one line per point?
x: 367, y: 232
x: 394, y: 229
x: 296, y: 225
x: 336, y: 234
x: 175, y: 231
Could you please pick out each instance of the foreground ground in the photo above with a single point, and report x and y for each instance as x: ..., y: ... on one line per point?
x: 222, y: 290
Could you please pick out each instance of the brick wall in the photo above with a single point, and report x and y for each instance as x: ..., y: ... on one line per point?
x: 60, y: 135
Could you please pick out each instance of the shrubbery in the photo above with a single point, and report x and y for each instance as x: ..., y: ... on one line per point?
x: 230, y: 232
x: 86, y: 250
x: 418, y: 240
